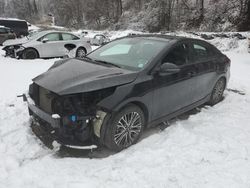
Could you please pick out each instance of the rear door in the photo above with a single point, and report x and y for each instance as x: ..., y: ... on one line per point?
x: 68, y: 38
x: 204, y: 60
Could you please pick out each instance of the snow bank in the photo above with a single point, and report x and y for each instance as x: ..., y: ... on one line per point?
x: 208, y: 149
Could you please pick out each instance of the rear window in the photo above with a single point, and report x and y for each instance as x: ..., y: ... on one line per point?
x: 67, y: 36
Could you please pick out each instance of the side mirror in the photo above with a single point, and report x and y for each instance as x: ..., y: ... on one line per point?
x: 168, y: 68
x: 44, y: 40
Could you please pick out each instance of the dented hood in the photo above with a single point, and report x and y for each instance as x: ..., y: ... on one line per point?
x: 76, y: 76
x: 12, y: 42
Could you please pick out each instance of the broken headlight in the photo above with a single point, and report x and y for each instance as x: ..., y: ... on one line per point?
x: 19, y: 48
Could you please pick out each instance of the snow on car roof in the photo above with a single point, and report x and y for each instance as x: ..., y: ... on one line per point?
x: 45, y: 32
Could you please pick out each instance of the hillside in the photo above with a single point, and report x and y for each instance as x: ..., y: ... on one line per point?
x: 146, y: 15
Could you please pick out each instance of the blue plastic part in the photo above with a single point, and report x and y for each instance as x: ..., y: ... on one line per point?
x: 73, y: 118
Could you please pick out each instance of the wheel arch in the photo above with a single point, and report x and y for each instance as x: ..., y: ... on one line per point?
x: 224, y: 78
x: 32, y: 49
x: 139, y: 104
x: 144, y: 109
x: 112, y: 114
x: 82, y: 47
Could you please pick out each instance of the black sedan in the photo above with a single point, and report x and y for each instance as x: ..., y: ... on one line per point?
x: 114, y: 93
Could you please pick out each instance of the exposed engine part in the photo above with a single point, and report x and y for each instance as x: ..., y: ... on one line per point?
x: 98, y: 121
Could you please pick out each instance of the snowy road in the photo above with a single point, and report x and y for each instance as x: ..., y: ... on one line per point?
x: 209, y: 149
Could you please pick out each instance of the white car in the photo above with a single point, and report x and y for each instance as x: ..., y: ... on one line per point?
x: 99, y: 40
x: 248, y: 45
x: 46, y: 44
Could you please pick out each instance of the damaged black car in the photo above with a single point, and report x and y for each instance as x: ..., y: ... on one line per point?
x: 117, y: 91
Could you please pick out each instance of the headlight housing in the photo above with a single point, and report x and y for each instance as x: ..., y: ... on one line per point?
x: 19, y: 48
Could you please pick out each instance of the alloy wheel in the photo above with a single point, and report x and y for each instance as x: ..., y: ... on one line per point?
x: 128, y: 129
x: 218, y: 91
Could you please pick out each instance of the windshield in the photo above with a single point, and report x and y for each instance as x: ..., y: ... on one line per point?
x: 129, y: 53
x: 33, y: 34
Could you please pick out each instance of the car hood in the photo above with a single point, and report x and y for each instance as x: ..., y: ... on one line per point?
x: 76, y: 76
x: 12, y: 42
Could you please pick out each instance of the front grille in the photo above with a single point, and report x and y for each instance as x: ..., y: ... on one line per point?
x: 34, y: 93
x: 45, y: 100
x: 42, y: 97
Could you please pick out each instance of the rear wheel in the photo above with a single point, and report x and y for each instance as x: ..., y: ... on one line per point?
x: 217, y: 93
x: 81, y: 52
x: 30, y: 54
x: 125, y: 128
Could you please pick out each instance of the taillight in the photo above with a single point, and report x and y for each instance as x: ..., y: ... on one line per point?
x: 228, y: 61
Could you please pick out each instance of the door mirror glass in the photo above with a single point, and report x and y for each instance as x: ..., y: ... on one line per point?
x: 168, y: 68
x: 44, y: 40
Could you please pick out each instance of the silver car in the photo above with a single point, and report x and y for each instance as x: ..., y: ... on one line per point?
x: 99, y: 40
x: 46, y: 44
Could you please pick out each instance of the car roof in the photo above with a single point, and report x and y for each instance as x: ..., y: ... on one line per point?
x: 157, y: 37
x: 163, y: 37
x: 45, y: 32
x: 1, y: 26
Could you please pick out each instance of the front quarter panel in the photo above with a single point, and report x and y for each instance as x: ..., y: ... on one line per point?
x: 34, y: 44
x: 136, y: 92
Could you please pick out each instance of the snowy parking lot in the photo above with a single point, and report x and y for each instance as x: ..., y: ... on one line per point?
x: 210, y: 148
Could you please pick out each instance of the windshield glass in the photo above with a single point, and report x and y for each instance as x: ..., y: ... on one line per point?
x: 33, y: 34
x: 129, y: 53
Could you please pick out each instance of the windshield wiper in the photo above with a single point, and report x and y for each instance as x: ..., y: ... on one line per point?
x: 88, y: 58
x: 108, y: 63
x: 100, y: 61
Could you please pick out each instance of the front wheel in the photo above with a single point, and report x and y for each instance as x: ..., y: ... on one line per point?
x: 125, y: 128
x: 30, y: 54
x: 217, y: 93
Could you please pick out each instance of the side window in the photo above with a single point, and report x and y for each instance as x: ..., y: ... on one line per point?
x: 200, y: 51
x: 178, y: 55
x: 3, y: 31
x: 52, y: 37
x: 66, y: 36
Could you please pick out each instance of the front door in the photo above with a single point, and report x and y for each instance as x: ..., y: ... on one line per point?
x: 51, y: 47
x: 174, y: 91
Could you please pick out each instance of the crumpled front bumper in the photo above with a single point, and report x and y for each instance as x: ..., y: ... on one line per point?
x: 14, y: 51
x: 54, y: 120
x: 49, y: 128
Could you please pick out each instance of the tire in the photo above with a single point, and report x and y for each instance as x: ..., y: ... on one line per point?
x: 125, y: 128
x: 30, y: 54
x: 217, y: 93
x: 81, y: 52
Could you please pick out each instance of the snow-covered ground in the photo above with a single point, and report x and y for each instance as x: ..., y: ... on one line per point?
x: 209, y: 149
